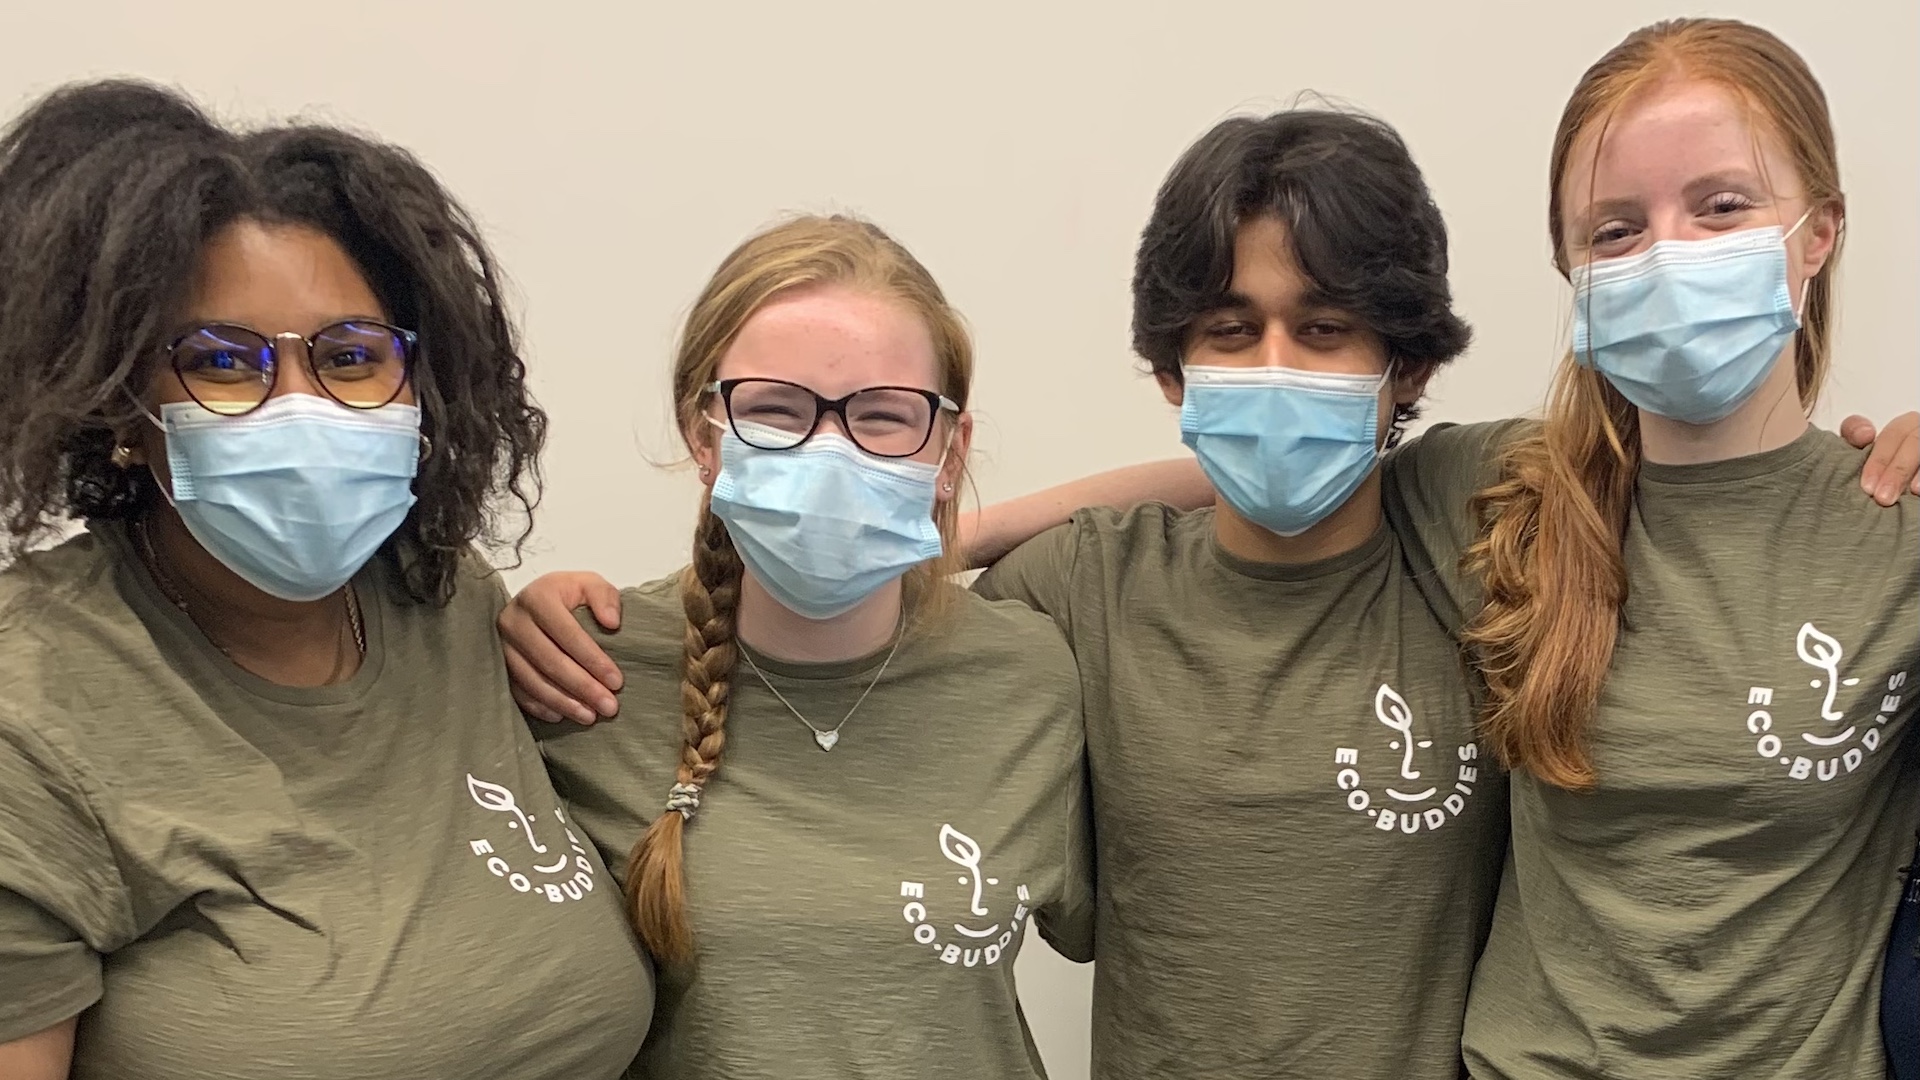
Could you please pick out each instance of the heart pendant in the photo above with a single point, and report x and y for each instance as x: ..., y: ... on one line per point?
x: 826, y: 739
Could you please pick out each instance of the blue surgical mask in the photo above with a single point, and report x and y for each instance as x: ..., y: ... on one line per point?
x: 824, y: 525
x: 1284, y: 447
x: 1687, y: 329
x: 297, y: 495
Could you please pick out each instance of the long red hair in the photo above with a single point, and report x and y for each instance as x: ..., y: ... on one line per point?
x: 1551, y: 554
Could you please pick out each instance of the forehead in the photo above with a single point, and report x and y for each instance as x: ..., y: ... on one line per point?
x: 277, y: 279
x: 1668, y: 135
x: 835, y: 340
x: 1265, y: 270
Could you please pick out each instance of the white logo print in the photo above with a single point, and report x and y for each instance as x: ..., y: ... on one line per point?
x: 555, y: 876
x: 1828, y: 746
x: 1414, y: 784
x: 975, y: 945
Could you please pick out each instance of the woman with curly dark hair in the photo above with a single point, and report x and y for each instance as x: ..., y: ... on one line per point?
x: 268, y: 806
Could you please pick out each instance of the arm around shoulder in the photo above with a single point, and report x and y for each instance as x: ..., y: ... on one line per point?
x: 993, y: 531
x: 1039, y: 574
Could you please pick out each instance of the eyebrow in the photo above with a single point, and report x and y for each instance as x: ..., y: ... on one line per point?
x: 194, y: 324
x: 1314, y: 297
x: 1744, y: 181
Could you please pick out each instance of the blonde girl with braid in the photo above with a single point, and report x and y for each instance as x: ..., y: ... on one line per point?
x: 840, y: 786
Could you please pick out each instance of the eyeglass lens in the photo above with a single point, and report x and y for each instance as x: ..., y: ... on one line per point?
x: 778, y: 416
x: 230, y: 369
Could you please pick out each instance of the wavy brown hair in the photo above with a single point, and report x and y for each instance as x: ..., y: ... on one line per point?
x: 1551, y: 554
x: 807, y: 252
x: 108, y: 193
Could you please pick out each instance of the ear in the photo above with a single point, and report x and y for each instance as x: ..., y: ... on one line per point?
x: 1409, y: 389
x: 1172, y: 387
x: 1822, y: 232
x: 958, y: 446
x: 703, y: 446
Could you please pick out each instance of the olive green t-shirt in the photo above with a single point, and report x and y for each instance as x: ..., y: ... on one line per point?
x: 856, y: 912
x: 1717, y: 908
x: 239, y: 880
x: 1299, y: 839
x: 1427, y: 488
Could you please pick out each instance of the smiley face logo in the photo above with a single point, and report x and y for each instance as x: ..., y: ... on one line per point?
x: 1412, y: 789
x: 1791, y: 729
x: 975, y: 944
x: 961, y: 849
x: 1822, y: 652
x: 556, y: 876
x: 1391, y: 709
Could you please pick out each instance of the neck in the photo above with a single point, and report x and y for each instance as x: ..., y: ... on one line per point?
x: 778, y: 631
x: 1346, y: 528
x: 283, y: 641
x: 1768, y: 420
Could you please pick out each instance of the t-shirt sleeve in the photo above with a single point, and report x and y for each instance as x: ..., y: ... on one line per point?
x: 1428, y: 487
x: 1039, y: 574
x: 1067, y: 924
x: 62, y: 902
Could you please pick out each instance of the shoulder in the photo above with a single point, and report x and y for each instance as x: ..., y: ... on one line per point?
x: 1468, y: 451
x: 1004, y: 653
x: 64, y: 617
x: 1072, y: 565
x: 1117, y: 537
x: 653, y: 626
x: 1004, y: 627
x: 76, y: 574
x: 1832, y: 478
x: 478, y: 584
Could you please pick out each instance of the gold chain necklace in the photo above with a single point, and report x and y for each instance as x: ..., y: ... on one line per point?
x: 172, y: 593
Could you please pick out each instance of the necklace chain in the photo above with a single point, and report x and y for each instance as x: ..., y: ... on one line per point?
x: 828, y: 737
x: 172, y: 593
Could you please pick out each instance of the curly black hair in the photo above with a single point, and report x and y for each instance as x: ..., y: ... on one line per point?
x: 1363, y: 226
x: 108, y: 192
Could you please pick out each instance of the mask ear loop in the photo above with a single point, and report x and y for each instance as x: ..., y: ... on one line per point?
x: 1383, y: 446
x: 1800, y: 309
x: 166, y: 491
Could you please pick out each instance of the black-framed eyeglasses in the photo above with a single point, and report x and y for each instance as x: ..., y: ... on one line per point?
x: 885, y: 421
x: 231, y: 369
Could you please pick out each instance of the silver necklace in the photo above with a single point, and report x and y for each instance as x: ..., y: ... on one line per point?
x: 827, y: 738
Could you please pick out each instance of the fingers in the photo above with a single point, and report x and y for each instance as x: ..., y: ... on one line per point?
x: 1858, y: 431
x: 1893, y: 465
x: 539, y: 698
x: 570, y: 656
x: 555, y: 679
x: 604, y: 600
x: 1902, y: 469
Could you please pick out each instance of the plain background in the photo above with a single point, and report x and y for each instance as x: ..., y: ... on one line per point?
x: 615, y: 152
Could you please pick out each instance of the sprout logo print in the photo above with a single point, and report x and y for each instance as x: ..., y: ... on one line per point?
x: 1824, y: 653
x: 1410, y: 773
x: 1826, y: 746
x: 973, y: 946
x: 550, y: 875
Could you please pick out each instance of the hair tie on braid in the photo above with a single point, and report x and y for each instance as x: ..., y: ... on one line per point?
x: 684, y: 798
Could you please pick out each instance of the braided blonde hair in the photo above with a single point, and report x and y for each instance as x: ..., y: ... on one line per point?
x: 803, y: 252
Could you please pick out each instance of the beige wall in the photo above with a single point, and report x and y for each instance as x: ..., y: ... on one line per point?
x: 614, y: 151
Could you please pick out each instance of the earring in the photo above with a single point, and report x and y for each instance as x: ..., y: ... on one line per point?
x: 705, y: 474
x: 426, y: 447
x: 946, y: 488
x: 122, y: 456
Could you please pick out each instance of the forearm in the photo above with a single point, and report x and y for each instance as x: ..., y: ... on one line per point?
x: 990, y: 532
